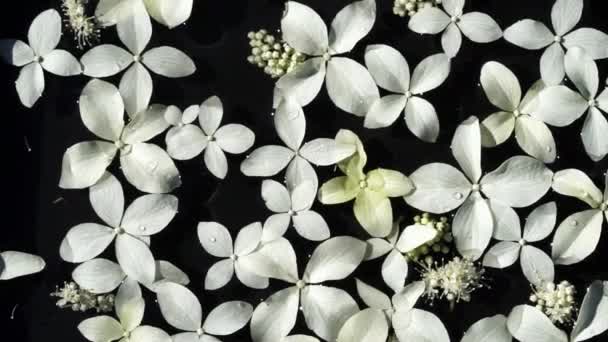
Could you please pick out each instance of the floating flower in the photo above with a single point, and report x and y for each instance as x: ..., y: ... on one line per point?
x: 85, y: 28
x: 71, y: 296
x: 43, y: 36
x: 277, y: 58
x: 454, y: 281
x: 534, y: 35
x: 391, y: 71
x: 555, y: 301
x: 18, y: 264
x: 170, y: 13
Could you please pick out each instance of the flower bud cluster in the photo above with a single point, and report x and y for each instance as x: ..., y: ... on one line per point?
x: 86, y: 29
x: 454, y: 281
x: 411, y: 7
x: 274, y: 56
x: 440, y: 244
x: 72, y: 296
x: 555, y: 301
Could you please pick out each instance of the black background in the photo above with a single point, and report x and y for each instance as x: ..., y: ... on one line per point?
x: 36, y: 213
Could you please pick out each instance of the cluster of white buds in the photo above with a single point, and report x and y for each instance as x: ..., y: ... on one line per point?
x: 440, y: 244
x: 555, y: 301
x: 71, y: 296
x: 454, y: 281
x: 411, y: 7
x: 274, y: 56
x: 85, y: 28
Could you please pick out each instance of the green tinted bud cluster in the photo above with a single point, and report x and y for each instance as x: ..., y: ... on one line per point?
x: 441, y: 244
x: 411, y: 7
x: 274, y: 56
x: 73, y: 297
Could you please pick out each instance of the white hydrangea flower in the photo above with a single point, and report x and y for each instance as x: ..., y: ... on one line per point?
x: 186, y: 141
x: 18, y: 264
x: 579, y: 234
x: 455, y: 280
x: 488, y: 329
x: 529, y: 324
x: 130, y: 228
x: 502, y: 89
x: 391, y: 71
x: 130, y: 307
x: 290, y: 124
x: 292, y: 205
x: 349, y: 85
x: 561, y: 106
x: 478, y: 27
x: 410, y: 324
x: 325, y: 308
x: 216, y: 240
x: 170, y: 13
x: 41, y: 53
x: 518, y: 182
x: 183, y: 311
x: 535, y: 264
x: 136, y: 86
x: 534, y: 35
x: 146, y: 166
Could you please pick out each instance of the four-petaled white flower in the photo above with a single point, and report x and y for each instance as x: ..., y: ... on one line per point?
x: 518, y: 182
x: 578, y: 235
x: 182, y: 310
x: 292, y: 205
x: 534, y: 35
x: 527, y: 323
x: 560, y: 106
x: 535, y: 264
x: 44, y: 36
x: 391, y: 71
x: 131, y: 228
x: 290, y: 124
x: 216, y: 240
x: 136, y: 86
x: 17, y: 264
x: 348, y: 83
x: 146, y: 166
x: 325, y: 308
x: 516, y: 114
x: 478, y: 27
x: 167, y: 12
x: 186, y: 140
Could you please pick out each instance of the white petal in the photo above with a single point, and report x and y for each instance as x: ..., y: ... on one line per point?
x: 210, y: 115
x: 501, y: 86
x: 215, y: 160
x: 149, y: 214
x: 479, y: 27
x: 129, y: 304
x: 150, y: 169
x: 30, y: 84
x: 17, y: 264
x: 146, y: 333
x: 179, y: 306
x: 407, y: 298
x: 496, y: 128
x: 369, y: 325
x: 276, y: 196
x: 275, y: 226
x: 45, y: 32
x: 575, y: 183
x: 540, y: 222
x: 439, y: 188
x: 105, y: 60
x: 430, y: 73
x: 390, y: 182
x: 351, y: 24
x: 135, y: 30
x: 136, y: 89
x: 466, y: 148
x: 577, y: 237
x: 274, y: 259
x: 324, y: 152
x: 303, y: 196
x: 304, y: 82
x: 303, y: 29
x: 592, y: 315
x: 388, y: 67
x: 248, y: 239
x: 326, y: 320
x: 135, y: 258
x: 413, y: 325
x: 565, y: 14
x: 415, y: 236
x: 384, y: 111
x: 529, y: 34
x: 266, y: 161
x: 98, y: 275
x: 228, y: 318
x: 535, y: 138
x: 166, y: 271
x: 502, y: 254
x: 274, y: 318
x: 373, y: 297
x: 234, y: 138
x: 169, y: 62
x: 109, y: 12
x: 299, y: 171
x: 170, y: 13
x: 311, y: 226
x: 594, y: 42
x: 488, y: 329
x: 453, y: 7
x: 350, y: 86
x: 186, y: 142
x: 506, y: 222
x: 527, y: 323
x: 421, y: 119
x: 374, y: 212
x: 451, y: 40
x: 219, y: 274
x: 582, y: 71
x: 472, y: 227
x: 101, y: 328
x: 85, y: 163
x: 215, y: 238
x: 108, y: 200
x: 85, y: 241
x: 536, y: 265
x: 377, y: 247
x: 518, y: 182
x: 529, y: 103
x: 394, y: 270
x: 593, y: 134
x: 145, y: 125
x: 16, y: 52
x: 62, y: 63
x: 290, y: 123
x: 102, y: 110
x: 552, y: 68
x: 249, y: 278
x: 334, y: 259
x: 430, y: 20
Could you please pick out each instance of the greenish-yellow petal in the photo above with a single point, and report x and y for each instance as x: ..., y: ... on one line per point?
x: 374, y: 212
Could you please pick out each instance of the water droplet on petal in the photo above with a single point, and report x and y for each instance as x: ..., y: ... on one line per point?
x: 212, y: 239
x: 575, y: 223
x: 458, y: 195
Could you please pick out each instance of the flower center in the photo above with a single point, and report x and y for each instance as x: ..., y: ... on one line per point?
x: 233, y: 257
x: 522, y: 242
x: 408, y: 94
x: 211, y: 138
x: 326, y: 56
x: 604, y: 206
x: 592, y: 103
x: 200, y: 332
x: 455, y: 19
x: 476, y: 187
x: 291, y: 213
x: 137, y: 58
x: 38, y: 59
x: 516, y: 113
x: 363, y: 184
x: 558, y: 39
x: 300, y: 284
x: 119, y: 230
